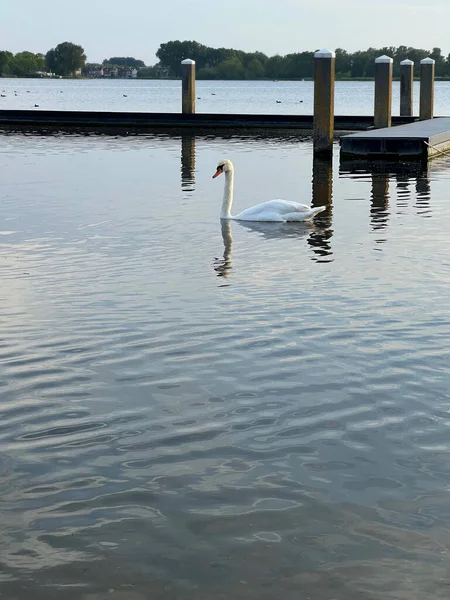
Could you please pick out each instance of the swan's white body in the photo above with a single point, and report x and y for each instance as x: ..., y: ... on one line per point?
x: 273, y: 210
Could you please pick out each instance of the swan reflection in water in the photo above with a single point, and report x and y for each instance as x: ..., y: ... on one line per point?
x: 223, y: 266
x: 316, y: 235
x: 272, y: 231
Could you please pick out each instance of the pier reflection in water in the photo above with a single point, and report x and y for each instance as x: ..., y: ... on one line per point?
x: 393, y: 182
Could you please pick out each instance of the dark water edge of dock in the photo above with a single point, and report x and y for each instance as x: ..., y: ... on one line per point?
x: 132, y: 123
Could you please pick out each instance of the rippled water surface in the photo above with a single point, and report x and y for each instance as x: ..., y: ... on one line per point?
x: 195, y: 411
x: 249, y: 97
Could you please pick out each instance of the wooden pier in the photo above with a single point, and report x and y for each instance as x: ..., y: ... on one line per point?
x: 414, y: 141
x: 381, y: 136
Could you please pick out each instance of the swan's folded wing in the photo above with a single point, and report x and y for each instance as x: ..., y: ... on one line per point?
x: 287, y: 206
x: 272, y: 210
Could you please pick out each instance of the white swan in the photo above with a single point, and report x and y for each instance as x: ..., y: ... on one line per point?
x: 272, y: 210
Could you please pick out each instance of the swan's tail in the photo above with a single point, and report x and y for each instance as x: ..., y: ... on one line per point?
x: 315, y: 211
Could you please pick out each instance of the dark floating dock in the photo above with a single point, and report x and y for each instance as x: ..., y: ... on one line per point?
x: 141, y: 122
x: 414, y: 141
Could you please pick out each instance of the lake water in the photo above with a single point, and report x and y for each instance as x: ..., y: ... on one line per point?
x: 193, y: 410
x: 270, y: 97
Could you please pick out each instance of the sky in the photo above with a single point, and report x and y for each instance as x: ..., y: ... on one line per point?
x: 137, y: 27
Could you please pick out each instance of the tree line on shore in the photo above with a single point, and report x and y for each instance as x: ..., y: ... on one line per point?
x: 224, y: 63
x: 65, y: 60
x: 68, y: 59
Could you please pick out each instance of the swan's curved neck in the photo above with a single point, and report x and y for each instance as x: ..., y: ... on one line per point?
x: 227, y: 195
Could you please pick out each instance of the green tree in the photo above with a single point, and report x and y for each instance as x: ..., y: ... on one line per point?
x: 229, y: 63
x: 171, y: 54
x: 40, y: 62
x: 148, y: 73
x: 274, y: 66
x: 5, y: 59
x: 65, y: 59
x: 446, y: 67
x: 248, y: 57
x: 255, y: 70
x: 298, y: 65
x: 436, y: 54
x: 232, y: 68
x: 124, y: 61
x: 207, y: 73
x: 23, y: 63
x: 358, y: 61
x: 343, y: 61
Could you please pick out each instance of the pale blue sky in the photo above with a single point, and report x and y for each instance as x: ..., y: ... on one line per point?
x: 138, y: 27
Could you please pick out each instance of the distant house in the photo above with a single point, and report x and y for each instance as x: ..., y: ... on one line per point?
x: 127, y: 73
x: 111, y: 72
x: 95, y: 72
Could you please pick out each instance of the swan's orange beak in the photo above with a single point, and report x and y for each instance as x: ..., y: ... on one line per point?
x: 217, y: 173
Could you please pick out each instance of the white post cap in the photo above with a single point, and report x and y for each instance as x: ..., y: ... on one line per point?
x: 407, y: 62
x: 384, y: 59
x: 188, y: 61
x: 427, y: 61
x: 324, y: 53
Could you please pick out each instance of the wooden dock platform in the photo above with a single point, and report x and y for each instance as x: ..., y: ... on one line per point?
x: 414, y: 141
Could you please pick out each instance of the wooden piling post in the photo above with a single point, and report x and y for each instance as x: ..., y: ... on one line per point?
x: 383, y: 91
x: 426, y: 89
x: 406, y: 87
x: 188, y: 86
x: 324, y: 72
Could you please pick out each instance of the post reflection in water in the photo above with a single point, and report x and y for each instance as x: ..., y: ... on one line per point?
x: 423, y: 191
x: 322, y: 192
x: 188, y: 163
x: 403, y: 189
x: 404, y: 175
x: 379, y: 213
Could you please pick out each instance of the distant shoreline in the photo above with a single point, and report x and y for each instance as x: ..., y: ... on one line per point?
x: 266, y: 79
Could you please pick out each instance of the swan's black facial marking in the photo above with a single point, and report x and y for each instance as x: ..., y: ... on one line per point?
x: 219, y: 170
